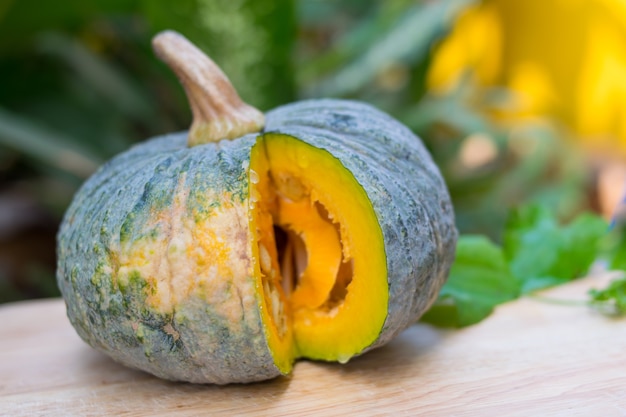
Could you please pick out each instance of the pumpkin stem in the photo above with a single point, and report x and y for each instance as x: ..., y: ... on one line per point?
x: 218, y: 112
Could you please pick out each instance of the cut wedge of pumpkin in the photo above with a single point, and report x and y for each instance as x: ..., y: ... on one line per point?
x: 326, y: 271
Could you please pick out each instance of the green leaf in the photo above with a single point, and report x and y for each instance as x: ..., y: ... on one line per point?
x: 618, y: 257
x: 615, y: 244
x: 537, y: 253
x: 612, y: 299
x: 543, y: 253
x: 479, y: 280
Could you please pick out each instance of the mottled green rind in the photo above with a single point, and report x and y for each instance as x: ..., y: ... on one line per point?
x: 195, y: 342
x: 406, y: 190
x: 112, y: 212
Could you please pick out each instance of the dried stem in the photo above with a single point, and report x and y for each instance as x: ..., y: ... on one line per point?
x: 218, y: 112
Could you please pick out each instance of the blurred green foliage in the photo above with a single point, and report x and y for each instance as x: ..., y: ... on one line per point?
x: 537, y: 252
x: 79, y: 83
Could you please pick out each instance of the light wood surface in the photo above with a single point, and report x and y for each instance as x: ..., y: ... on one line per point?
x: 530, y: 358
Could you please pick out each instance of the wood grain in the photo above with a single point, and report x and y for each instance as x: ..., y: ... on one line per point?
x: 529, y: 358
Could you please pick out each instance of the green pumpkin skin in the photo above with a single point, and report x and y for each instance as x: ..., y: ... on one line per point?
x: 144, y: 204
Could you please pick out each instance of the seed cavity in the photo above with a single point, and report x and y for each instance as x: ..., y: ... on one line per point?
x: 302, y: 259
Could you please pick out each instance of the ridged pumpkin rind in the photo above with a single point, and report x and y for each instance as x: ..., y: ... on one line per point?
x: 116, y: 211
x: 194, y: 339
x: 406, y: 190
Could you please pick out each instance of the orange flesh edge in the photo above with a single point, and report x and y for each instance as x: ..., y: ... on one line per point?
x: 331, y: 280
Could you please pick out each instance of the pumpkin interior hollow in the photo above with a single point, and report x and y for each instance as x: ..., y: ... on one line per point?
x: 319, y: 255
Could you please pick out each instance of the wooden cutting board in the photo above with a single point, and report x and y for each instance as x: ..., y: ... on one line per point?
x: 530, y: 358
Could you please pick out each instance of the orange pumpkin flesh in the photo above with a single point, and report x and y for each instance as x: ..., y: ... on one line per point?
x: 327, y: 272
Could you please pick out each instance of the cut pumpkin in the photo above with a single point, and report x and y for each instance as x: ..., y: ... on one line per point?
x: 328, y: 220
x: 320, y: 230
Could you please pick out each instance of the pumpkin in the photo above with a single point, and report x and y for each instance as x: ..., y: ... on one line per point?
x: 319, y: 230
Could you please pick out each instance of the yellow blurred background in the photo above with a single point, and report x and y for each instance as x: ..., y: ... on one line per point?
x: 561, y: 59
